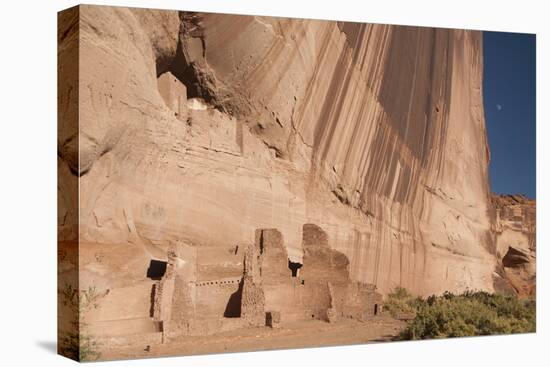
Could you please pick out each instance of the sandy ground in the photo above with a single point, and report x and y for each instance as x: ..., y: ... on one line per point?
x: 292, y: 335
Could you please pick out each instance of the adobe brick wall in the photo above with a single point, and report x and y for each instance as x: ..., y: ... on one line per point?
x: 253, y: 299
x: 190, y: 302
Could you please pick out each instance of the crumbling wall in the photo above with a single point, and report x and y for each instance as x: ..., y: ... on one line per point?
x: 163, y: 291
x: 280, y: 293
x: 272, y: 256
x: 126, y: 302
x: 325, y: 274
x: 321, y: 290
x: 322, y: 263
x: 192, y: 298
x: 201, y: 291
x: 216, y: 299
x: 362, y: 301
x: 218, y: 281
x: 174, y: 302
x: 253, y: 298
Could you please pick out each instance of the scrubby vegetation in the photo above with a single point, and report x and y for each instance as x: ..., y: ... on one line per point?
x: 401, y: 304
x: 468, y: 314
x: 77, y: 343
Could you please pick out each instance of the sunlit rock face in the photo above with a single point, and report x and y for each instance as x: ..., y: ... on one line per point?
x: 374, y: 133
x: 515, y: 233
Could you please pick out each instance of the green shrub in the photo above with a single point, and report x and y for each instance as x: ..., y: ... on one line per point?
x: 469, y: 314
x: 400, y: 302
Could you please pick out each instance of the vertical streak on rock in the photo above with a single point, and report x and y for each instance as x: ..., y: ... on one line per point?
x: 375, y: 132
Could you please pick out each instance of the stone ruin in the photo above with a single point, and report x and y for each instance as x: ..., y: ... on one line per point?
x: 272, y: 290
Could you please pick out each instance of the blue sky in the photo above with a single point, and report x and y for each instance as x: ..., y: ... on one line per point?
x: 509, y: 98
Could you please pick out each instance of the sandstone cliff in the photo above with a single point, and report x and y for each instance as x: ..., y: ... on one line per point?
x: 199, y: 129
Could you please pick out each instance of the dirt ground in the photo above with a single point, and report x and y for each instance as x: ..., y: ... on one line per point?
x: 292, y: 335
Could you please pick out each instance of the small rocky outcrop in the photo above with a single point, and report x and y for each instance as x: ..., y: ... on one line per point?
x: 515, y: 239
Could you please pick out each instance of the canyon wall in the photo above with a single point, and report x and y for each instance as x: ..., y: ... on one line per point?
x: 197, y: 129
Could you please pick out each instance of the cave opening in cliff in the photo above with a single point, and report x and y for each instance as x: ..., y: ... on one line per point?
x: 157, y: 269
x: 294, y: 268
x: 191, y: 74
x: 375, y: 309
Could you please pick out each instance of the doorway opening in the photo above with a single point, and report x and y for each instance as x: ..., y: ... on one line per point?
x: 156, y: 269
x: 294, y: 268
x: 233, y: 307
